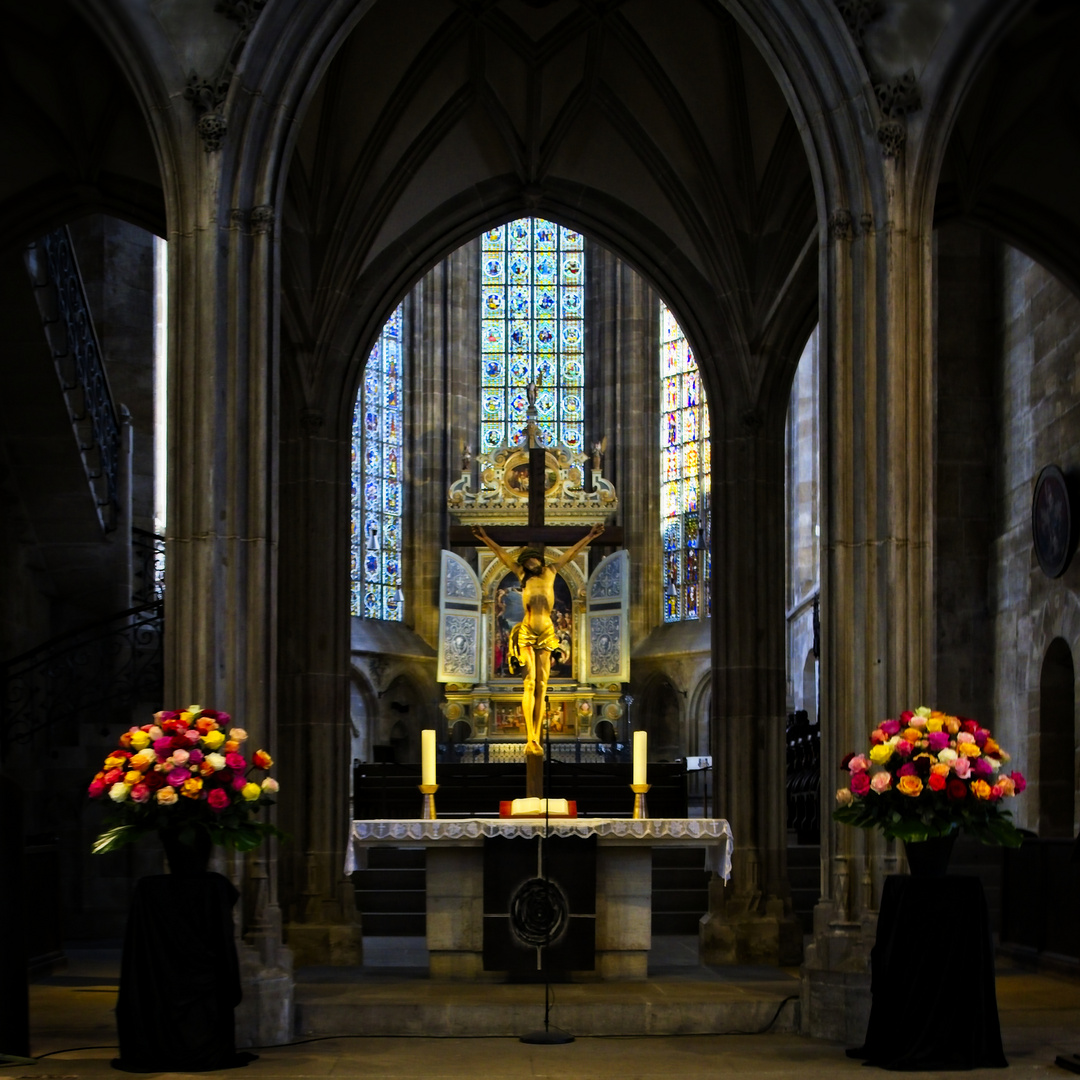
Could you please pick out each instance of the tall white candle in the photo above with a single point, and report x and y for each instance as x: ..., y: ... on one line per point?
x: 641, y: 754
x: 427, y: 757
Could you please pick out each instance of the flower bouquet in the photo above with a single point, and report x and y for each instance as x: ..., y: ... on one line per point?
x: 928, y: 774
x: 185, y: 773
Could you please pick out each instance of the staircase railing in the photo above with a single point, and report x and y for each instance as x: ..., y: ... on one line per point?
x: 804, y: 777
x: 69, y: 330
x: 147, y: 566
x: 100, y: 671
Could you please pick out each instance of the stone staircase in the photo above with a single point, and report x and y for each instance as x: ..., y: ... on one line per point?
x: 680, y: 890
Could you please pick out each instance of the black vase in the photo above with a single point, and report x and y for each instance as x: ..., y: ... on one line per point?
x: 930, y: 858
x: 186, y: 859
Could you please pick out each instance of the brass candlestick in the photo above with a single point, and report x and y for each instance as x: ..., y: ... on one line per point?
x: 641, y: 808
x: 428, y: 791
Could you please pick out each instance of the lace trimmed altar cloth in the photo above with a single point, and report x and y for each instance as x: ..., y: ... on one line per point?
x: 714, y: 834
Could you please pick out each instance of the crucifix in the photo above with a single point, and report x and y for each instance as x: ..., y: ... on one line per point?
x: 533, y: 639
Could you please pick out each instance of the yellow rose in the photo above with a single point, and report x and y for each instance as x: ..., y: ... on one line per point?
x: 213, y: 739
x: 968, y: 749
x: 910, y: 785
x: 132, y: 778
x: 166, y: 796
x: 140, y: 740
x: 980, y: 789
x: 934, y: 723
x: 881, y: 753
x: 251, y: 792
x: 114, y: 761
x: 192, y: 787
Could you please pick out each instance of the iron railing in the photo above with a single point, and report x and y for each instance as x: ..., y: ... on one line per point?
x: 69, y: 330
x: 147, y: 566
x: 101, y: 671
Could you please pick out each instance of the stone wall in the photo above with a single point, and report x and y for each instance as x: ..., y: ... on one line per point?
x: 1039, y: 416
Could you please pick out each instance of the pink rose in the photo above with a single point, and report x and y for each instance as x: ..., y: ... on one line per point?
x: 180, y: 757
x: 962, y: 767
x: 1018, y: 781
x: 218, y: 799
x: 860, y: 783
x: 140, y: 793
x: 880, y: 782
x: 937, y: 740
x: 859, y: 763
x: 238, y: 783
x: 96, y: 789
x: 236, y: 761
x: 890, y: 727
x: 903, y: 748
x: 192, y: 736
x: 195, y: 757
x: 906, y: 770
x: 177, y: 776
x: 164, y: 745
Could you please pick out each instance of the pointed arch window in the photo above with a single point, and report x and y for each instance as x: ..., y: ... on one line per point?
x: 377, y: 491
x: 532, y: 306
x: 685, y: 478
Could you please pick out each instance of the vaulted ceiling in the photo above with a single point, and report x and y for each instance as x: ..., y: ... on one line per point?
x: 1013, y: 162
x: 74, y: 139
x: 665, y: 138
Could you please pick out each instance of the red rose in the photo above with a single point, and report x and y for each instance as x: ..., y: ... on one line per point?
x: 843, y: 764
x: 956, y: 789
x: 1018, y: 779
x: 218, y: 799
x: 113, y: 776
x: 860, y: 783
x: 154, y: 780
x: 970, y: 726
x: 936, y: 782
x: 905, y: 717
x: 96, y: 789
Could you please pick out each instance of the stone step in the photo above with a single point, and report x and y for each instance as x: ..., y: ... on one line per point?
x: 394, y: 924
x: 391, y: 1007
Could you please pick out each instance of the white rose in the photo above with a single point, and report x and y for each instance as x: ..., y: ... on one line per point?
x: 237, y: 734
x: 118, y: 792
x: 994, y: 765
x: 946, y: 756
x: 216, y: 760
x: 270, y: 785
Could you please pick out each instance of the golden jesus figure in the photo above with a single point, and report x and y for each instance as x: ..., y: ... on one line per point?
x: 534, y: 639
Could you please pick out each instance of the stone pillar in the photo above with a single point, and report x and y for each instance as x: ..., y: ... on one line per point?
x: 876, y: 589
x: 750, y: 919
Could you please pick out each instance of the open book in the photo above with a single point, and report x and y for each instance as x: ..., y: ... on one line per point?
x: 539, y: 808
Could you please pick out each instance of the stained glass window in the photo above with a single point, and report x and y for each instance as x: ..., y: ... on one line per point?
x: 377, y: 489
x: 532, y: 305
x: 685, y: 478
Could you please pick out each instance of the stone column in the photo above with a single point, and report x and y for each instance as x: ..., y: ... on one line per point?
x: 876, y: 607
x: 221, y: 600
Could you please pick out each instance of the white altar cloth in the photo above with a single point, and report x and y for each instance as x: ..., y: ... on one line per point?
x: 714, y: 834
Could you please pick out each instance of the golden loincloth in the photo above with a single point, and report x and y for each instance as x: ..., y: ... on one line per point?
x: 522, y: 636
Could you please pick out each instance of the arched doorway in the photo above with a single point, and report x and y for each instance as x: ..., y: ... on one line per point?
x: 1057, y: 742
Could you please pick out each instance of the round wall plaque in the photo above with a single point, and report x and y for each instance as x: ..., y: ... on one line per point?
x: 1052, y: 522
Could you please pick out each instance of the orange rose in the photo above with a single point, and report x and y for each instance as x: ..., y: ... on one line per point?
x: 912, y: 734
x: 231, y: 746
x: 980, y: 789
x: 910, y: 785
x: 206, y: 767
x: 952, y: 725
x: 205, y: 724
x: 940, y: 769
x: 262, y: 760
x: 991, y: 747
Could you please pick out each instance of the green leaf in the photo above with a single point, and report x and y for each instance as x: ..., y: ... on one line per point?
x: 115, y: 838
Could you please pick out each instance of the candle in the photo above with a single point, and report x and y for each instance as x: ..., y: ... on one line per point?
x: 641, y: 753
x: 427, y: 757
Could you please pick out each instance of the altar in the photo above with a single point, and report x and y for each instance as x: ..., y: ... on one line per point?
x: 623, y: 891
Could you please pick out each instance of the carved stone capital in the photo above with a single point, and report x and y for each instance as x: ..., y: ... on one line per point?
x: 236, y: 217
x: 205, y: 95
x: 244, y: 12
x: 311, y: 421
x: 899, y: 97
x: 840, y: 224
x: 858, y: 14
x: 892, y: 135
x: 212, y: 128
x: 262, y: 219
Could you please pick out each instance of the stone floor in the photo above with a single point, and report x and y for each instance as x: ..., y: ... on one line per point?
x: 74, y: 1036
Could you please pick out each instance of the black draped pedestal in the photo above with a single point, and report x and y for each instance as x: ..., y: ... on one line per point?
x: 179, y: 977
x: 932, y: 978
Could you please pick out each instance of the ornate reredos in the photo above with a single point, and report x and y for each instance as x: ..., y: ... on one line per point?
x: 503, y: 498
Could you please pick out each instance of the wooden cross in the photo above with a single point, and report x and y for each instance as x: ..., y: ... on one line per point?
x: 537, y: 533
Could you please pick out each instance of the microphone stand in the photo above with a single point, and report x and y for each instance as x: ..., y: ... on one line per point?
x: 549, y: 1036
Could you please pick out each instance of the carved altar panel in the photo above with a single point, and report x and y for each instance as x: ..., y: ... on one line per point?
x: 460, y: 623
x: 608, y: 655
